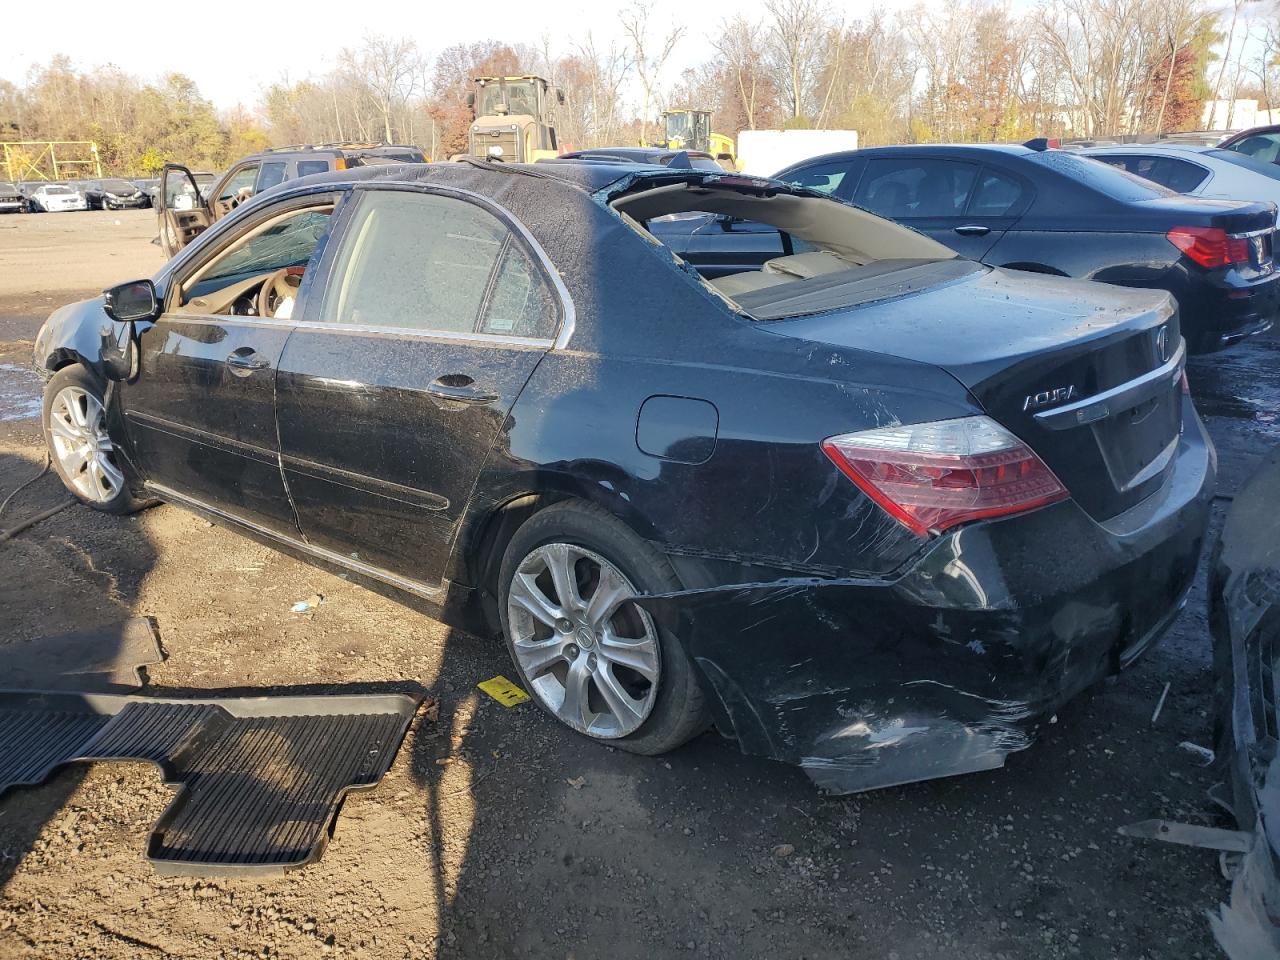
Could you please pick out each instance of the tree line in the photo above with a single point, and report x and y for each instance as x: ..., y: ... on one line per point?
x: 969, y: 71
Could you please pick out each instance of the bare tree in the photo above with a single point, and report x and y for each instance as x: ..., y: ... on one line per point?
x: 740, y: 46
x: 390, y: 69
x: 794, y: 39
x: 648, y: 57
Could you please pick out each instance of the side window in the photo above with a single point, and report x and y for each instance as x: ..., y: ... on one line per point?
x: 307, y: 167
x: 242, y: 179
x: 286, y: 242
x: 916, y: 187
x: 996, y: 195
x: 823, y: 177
x: 1180, y: 176
x: 426, y: 262
x: 269, y: 175
x: 1262, y: 146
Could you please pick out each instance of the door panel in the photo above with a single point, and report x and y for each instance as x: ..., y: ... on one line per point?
x: 201, y: 414
x: 183, y: 215
x: 380, y: 467
x: 393, y: 388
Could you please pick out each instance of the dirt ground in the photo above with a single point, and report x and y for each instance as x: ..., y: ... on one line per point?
x: 477, y: 844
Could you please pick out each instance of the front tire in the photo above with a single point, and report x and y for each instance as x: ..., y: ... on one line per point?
x: 597, y: 664
x: 83, y: 455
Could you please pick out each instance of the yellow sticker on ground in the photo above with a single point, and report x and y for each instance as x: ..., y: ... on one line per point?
x: 503, y: 690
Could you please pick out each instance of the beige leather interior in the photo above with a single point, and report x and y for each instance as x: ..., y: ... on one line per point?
x: 779, y: 270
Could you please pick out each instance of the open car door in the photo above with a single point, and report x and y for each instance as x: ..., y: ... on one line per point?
x: 182, y: 212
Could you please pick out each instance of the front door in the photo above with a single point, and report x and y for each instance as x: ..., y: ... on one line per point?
x: 393, y: 389
x: 182, y: 213
x: 201, y: 413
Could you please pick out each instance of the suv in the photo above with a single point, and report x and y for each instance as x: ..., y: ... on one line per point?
x: 186, y: 208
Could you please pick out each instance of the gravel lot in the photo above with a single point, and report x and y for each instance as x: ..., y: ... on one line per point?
x: 478, y: 845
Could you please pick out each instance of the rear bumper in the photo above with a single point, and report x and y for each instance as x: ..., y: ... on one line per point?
x: 1225, y: 309
x: 952, y: 666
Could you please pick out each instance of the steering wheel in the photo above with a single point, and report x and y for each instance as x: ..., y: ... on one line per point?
x: 281, y: 285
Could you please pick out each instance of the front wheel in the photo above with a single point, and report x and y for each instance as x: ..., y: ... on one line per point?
x: 75, y: 431
x: 595, y: 662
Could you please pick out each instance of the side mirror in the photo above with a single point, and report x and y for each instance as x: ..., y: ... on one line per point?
x: 559, y: 96
x: 131, y: 301
x: 471, y: 101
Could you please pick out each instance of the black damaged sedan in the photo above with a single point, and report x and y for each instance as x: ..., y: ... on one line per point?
x: 868, y: 507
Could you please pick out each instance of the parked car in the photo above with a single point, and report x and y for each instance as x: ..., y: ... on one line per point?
x: 114, y: 194
x: 1261, y: 143
x: 1047, y: 211
x: 1196, y: 171
x: 182, y: 217
x: 871, y: 508
x: 54, y: 198
x: 698, y: 159
x: 11, y: 199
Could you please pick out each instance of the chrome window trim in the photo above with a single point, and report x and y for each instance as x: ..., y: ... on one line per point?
x: 568, y: 317
x: 423, y: 333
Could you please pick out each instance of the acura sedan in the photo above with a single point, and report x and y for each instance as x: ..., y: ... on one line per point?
x: 868, y: 507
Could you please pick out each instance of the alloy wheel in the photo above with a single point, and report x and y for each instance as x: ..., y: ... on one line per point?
x: 591, y: 659
x: 79, y: 441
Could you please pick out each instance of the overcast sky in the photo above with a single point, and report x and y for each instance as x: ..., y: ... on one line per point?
x: 233, y: 49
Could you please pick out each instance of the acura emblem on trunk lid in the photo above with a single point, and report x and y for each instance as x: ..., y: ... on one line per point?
x: 1035, y: 401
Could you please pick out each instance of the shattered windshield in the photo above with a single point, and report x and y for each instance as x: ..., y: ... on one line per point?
x: 288, y: 243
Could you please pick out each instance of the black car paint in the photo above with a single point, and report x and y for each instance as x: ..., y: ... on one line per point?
x: 1064, y: 226
x: 805, y: 606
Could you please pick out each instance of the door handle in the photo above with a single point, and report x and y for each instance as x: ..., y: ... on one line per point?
x: 460, y: 388
x: 972, y: 230
x: 244, y: 360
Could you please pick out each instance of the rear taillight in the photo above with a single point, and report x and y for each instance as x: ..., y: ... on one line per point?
x: 1210, y: 246
x: 930, y: 476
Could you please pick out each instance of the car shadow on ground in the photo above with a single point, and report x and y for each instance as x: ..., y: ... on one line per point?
x: 86, y: 581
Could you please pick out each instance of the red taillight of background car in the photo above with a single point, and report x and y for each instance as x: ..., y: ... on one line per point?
x: 1210, y: 246
x: 931, y: 476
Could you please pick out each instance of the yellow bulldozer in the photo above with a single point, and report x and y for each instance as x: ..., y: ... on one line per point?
x: 688, y: 129
x: 514, y: 119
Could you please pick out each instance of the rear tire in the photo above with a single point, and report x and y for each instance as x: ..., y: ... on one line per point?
x: 597, y: 664
x: 82, y: 453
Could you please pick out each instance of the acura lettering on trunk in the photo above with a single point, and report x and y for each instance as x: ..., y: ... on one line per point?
x: 820, y: 504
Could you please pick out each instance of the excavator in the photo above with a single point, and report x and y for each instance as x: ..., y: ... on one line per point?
x: 514, y: 119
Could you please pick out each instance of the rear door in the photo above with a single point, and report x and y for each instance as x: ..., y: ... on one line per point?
x: 181, y: 212
x: 392, y: 389
x: 960, y: 203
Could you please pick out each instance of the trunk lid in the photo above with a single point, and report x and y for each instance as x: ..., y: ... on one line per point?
x: 1087, y: 374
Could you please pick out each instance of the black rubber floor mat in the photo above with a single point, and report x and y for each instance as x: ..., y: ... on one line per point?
x: 259, y: 780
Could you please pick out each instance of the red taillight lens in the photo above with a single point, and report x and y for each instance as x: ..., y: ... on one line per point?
x: 1210, y: 246
x: 930, y: 476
